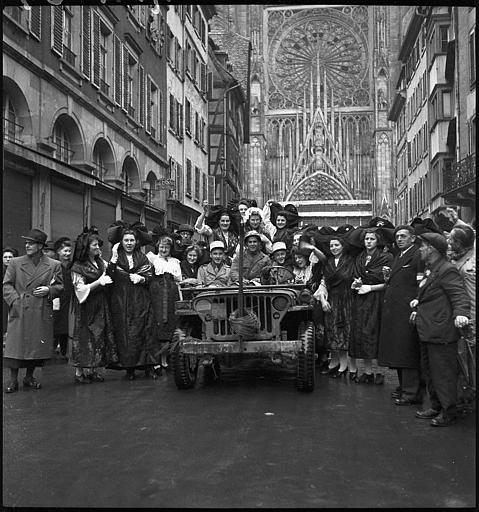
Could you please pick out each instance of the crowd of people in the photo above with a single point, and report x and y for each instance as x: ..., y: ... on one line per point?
x: 386, y: 296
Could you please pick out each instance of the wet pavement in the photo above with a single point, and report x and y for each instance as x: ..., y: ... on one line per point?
x: 252, y: 441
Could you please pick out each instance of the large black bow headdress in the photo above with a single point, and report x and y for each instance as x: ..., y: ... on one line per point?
x: 116, y: 231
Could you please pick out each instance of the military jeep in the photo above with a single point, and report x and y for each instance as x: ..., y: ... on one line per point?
x: 277, y: 325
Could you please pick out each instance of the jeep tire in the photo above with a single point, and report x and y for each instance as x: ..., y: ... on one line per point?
x: 305, y: 374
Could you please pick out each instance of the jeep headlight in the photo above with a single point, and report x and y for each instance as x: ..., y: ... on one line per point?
x: 305, y: 296
x: 280, y: 303
x: 203, y: 306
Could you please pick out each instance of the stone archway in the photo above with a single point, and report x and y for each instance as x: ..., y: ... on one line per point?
x: 319, y: 186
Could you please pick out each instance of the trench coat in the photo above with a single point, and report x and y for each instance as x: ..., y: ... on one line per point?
x: 30, y: 323
x: 398, y: 340
x: 441, y: 297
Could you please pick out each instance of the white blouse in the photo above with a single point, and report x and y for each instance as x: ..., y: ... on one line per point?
x: 165, y: 265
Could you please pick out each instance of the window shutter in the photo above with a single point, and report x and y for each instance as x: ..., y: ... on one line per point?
x: 148, y: 105
x: 36, y: 21
x: 118, y: 70
x: 161, y: 115
x: 96, y: 48
x: 203, y: 77
x: 86, y: 45
x: 125, y: 79
x: 57, y: 29
x: 211, y: 190
x: 141, y: 99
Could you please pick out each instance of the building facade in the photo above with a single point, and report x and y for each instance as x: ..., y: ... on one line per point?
x: 434, y: 113
x: 320, y: 91
x: 84, y: 113
x: 187, y: 137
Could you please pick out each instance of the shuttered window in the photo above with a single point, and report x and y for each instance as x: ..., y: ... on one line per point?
x: 118, y: 70
x: 57, y: 29
x: 36, y: 21
x: 161, y: 116
x: 172, y: 112
x: 203, y: 78
x: 96, y: 48
x: 86, y: 40
x: 148, y: 105
x: 141, y: 98
x: 126, y: 89
x: 188, y: 177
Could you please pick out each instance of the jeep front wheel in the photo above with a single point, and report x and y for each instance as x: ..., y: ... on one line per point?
x: 185, y: 367
x: 305, y: 377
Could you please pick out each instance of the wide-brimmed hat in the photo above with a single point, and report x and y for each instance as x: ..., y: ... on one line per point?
x: 36, y: 235
x: 217, y: 244
x: 439, y: 242
x: 185, y: 227
x: 278, y: 246
x: 249, y: 234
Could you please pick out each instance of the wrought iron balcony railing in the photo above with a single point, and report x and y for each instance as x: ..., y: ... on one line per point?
x: 11, y: 130
x: 460, y: 174
x: 68, y: 55
x: 63, y: 153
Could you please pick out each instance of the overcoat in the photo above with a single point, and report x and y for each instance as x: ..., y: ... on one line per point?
x: 30, y: 323
x: 441, y: 297
x: 398, y: 340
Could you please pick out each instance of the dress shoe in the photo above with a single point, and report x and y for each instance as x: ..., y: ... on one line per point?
x: 379, y: 379
x: 353, y: 376
x: 30, y: 382
x: 427, y: 414
x: 366, y: 378
x: 396, y: 394
x: 339, y: 373
x: 406, y: 401
x: 443, y: 421
x: 332, y: 371
x: 11, y: 387
x: 95, y: 377
x: 81, y: 379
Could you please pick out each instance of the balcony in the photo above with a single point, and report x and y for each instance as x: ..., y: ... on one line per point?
x: 461, y: 174
x: 69, y: 56
x: 63, y: 153
x: 12, y: 131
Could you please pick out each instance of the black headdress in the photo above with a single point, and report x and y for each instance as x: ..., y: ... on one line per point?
x: 82, y: 243
x: 118, y: 228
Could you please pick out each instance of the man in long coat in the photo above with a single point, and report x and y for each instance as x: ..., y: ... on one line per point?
x: 30, y: 284
x: 442, y: 308
x: 398, y: 340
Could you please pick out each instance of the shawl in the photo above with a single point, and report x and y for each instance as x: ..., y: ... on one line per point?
x: 372, y: 272
x: 335, y: 276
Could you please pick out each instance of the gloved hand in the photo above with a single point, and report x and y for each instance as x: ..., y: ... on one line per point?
x: 365, y: 288
x: 135, y: 278
x: 461, y: 321
x: 114, y: 253
x: 412, y: 318
x: 104, y: 280
x: 413, y: 303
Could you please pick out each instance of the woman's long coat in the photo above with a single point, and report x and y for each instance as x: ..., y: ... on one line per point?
x: 367, y: 308
x: 398, y: 340
x: 30, y: 322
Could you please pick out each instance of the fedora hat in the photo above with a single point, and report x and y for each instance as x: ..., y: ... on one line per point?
x: 185, y: 227
x: 37, y: 236
x: 439, y: 242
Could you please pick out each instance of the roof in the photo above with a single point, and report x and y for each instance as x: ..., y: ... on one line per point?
x: 238, y: 50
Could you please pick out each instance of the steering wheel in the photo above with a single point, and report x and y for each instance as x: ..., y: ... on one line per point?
x: 278, y: 274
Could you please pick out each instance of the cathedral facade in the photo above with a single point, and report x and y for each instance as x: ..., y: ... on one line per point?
x: 320, y: 90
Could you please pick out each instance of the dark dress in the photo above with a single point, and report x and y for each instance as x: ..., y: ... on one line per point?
x: 188, y: 271
x: 60, y: 316
x: 4, y: 309
x: 337, y: 322
x: 92, y: 344
x: 366, y: 310
x: 164, y: 293
x: 132, y: 313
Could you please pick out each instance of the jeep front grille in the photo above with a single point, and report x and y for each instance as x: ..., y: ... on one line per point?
x: 259, y: 305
